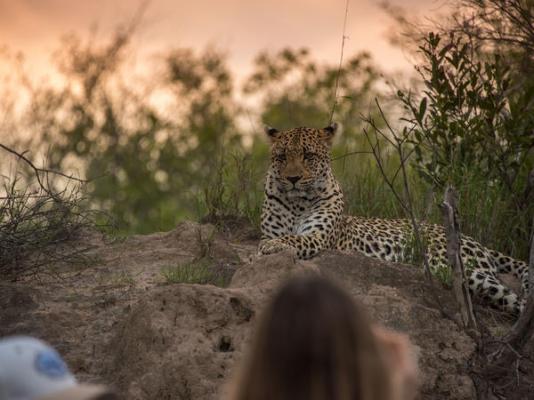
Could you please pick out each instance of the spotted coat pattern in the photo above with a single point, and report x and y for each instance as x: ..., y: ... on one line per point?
x: 303, y: 211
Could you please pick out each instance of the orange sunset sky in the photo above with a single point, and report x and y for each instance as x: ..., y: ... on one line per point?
x: 240, y: 27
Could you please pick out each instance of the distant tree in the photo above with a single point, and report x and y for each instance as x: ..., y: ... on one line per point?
x: 148, y: 159
x: 158, y: 148
x: 296, y: 90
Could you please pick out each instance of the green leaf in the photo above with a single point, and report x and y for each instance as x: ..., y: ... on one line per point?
x: 422, y: 110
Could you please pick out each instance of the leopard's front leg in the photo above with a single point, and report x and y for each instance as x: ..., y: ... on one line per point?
x: 305, y: 246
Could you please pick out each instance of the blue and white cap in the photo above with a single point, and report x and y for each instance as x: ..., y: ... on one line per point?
x: 32, y: 370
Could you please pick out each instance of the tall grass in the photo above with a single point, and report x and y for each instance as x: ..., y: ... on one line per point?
x: 486, y: 209
x: 235, y: 188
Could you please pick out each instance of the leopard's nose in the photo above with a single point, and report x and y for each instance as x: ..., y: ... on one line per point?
x: 293, y: 179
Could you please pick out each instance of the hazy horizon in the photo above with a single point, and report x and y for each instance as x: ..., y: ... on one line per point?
x: 240, y: 28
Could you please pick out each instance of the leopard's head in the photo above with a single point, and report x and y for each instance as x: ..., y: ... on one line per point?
x: 300, y: 158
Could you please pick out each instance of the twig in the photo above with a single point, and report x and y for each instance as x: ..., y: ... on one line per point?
x: 460, y: 289
x: 405, y: 201
x: 37, y: 225
x: 350, y: 154
x: 344, y: 37
x: 37, y: 169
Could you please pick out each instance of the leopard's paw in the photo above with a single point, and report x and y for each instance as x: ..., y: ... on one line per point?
x: 271, y: 246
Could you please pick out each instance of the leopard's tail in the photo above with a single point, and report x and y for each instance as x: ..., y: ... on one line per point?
x: 506, y: 264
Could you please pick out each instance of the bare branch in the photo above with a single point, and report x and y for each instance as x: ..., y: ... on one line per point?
x: 405, y: 201
x: 38, y: 170
x: 38, y: 221
x: 344, y: 38
x: 461, y: 291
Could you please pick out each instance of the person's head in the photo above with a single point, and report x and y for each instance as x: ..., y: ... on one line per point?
x: 315, y: 343
x: 32, y: 370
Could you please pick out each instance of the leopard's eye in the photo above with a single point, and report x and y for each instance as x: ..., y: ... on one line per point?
x: 280, y: 157
x: 308, y: 155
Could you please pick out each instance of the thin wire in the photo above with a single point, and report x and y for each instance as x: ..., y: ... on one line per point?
x: 344, y: 37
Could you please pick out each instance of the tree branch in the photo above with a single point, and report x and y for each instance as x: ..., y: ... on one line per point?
x: 460, y: 289
x: 38, y: 170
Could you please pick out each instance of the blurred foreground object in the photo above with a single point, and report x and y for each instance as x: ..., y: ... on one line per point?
x: 32, y: 370
x: 315, y: 342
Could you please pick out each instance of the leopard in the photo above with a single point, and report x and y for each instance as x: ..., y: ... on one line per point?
x: 304, y: 211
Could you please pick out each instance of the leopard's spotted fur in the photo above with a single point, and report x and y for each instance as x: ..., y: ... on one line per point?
x: 303, y: 211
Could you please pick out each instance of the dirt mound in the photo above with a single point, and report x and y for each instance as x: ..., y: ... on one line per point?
x: 181, y: 341
x: 120, y: 321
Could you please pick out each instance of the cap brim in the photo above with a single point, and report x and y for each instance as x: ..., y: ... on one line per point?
x: 83, y: 392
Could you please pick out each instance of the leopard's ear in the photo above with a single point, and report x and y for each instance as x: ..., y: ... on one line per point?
x: 273, y: 133
x: 327, y: 133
